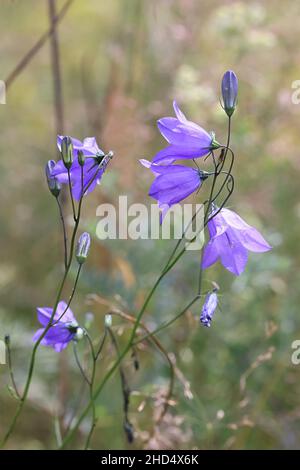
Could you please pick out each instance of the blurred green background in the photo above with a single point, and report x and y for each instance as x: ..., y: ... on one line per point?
x: 122, y: 63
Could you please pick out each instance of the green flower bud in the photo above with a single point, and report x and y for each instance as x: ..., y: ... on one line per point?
x: 83, y: 246
x: 108, y: 321
x: 79, y: 334
x: 81, y: 157
x: 67, y: 151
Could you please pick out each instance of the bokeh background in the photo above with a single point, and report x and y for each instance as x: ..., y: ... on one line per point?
x: 121, y: 63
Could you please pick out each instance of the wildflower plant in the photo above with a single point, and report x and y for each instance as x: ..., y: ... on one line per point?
x: 230, y: 238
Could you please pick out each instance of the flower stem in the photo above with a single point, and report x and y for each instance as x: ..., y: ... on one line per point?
x: 64, y: 232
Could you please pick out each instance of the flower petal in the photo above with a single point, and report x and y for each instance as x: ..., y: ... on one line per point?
x: 210, y: 254
x: 171, y: 153
x: 184, y: 134
x: 233, y: 257
x: 178, y: 112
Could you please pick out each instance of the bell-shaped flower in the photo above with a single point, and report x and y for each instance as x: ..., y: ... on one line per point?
x: 173, y: 183
x: 187, y: 140
x: 94, y: 165
x: 64, y: 329
x: 230, y: 240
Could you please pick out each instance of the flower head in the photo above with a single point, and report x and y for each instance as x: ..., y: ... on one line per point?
x: 53, y: 184
x: 186, y: 139
x: 230, y: 240
x: 93, y: 167
x: 63, y: 330
x: 173, y: 183
x: 229, y: 89
x: 208, y: 309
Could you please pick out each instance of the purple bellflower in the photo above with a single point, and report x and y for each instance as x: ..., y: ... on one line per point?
x: 230, y: 240
x: 62, y: 331
x: 186, y: 139
x: 208, y: 309
x: 94, y: 156
x: 173, y: 183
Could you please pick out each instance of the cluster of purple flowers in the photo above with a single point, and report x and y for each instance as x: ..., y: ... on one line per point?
x: 230, y: 237
x: 88, y: 164
x: 82, y: 166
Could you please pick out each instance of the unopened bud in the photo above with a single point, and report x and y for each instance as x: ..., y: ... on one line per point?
x: 79, y: 334
x: 229, y: 89
x: 53, y: 184
x: 67, y: 151
x: 83, y: 246
x: 108, y: 321
x: 81, y: 157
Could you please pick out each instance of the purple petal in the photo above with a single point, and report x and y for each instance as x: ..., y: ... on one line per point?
x: 210, y: 255
x: 171, y: 153
x: 44, y: 315
x: 184, y: 134
x: 174, y: 184
x: 178, y: 112
x: 68, y: 315
x: 233, y: 256
x: 252, y: 240
x: 247, y: 235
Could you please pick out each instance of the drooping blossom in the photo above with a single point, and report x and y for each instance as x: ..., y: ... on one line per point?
x: 94, y: 166
x: 229, y: 88
x: 230, y: 240
x: 208, y: 309
x: 63, y: 330
x: 186, y: 139
x: 173, y: 183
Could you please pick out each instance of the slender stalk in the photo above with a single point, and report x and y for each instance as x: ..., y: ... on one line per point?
x: 49, y: 325
x: 95, y: 356
x: 153, y: 333
x: 64, y: 233
x: 71, y: 196
x: 10, y: 368
x: 125, y: 391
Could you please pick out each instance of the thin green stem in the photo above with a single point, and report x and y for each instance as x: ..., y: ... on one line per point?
x: 71, y: 196
x: 95, y: 356
x: 64, y: 233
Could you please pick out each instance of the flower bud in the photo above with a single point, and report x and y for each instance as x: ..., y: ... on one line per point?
x: 108, y: 321
x: 209, y: 307
x: 53, y: 185
x: 81, y: 157
x: 83, y: 246
x: 79, y: 334
x: 67, y: 151
x: 229, y: 92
